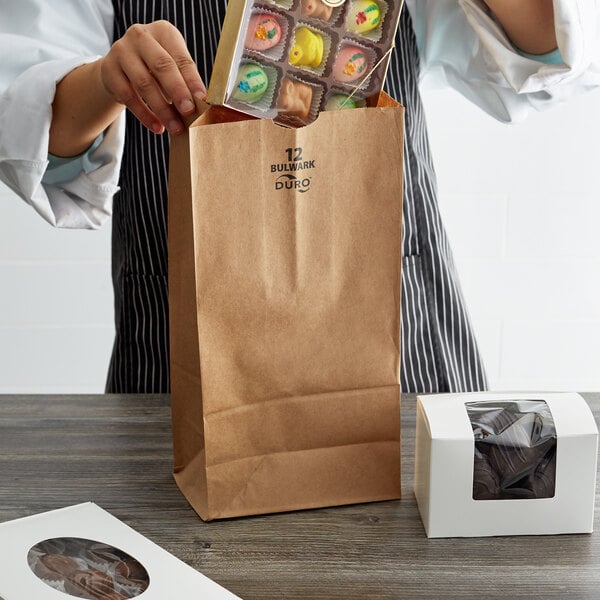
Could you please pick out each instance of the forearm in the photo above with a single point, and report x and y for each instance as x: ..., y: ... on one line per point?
x: 82, y: 109
x: 528, y: 23
x: 149, y: 70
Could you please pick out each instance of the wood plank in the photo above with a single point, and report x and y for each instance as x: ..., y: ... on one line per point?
x: 116, y: 451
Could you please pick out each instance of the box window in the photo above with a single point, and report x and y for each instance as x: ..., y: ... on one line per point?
x: 515, y: 449
x: 82, y: 568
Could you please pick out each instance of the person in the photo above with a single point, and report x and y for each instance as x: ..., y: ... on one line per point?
x: 68, y: 147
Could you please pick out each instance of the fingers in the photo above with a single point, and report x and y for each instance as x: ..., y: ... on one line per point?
x: 172, y: 41
x: 149, y: 87
x: 122, y: 91
x: 151, y: 72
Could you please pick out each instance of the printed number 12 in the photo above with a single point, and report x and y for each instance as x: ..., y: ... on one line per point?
x: 294, y: 154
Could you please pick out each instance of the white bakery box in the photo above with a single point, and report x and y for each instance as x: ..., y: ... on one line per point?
x: 505, y: 464
x: 82, y: 551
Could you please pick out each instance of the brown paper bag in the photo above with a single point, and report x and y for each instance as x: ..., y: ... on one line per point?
x: 284, y: 290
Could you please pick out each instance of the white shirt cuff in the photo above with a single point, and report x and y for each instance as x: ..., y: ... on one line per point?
x: 25, y: 117
x: 462, y: 45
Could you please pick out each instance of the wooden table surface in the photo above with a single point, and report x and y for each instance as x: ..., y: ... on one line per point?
x: 116, y: 451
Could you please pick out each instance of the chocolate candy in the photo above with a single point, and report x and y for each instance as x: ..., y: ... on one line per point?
x: 88, y: 569
x: 363, y: 16
x: 334, y: 51
x: 307, y: 49
x: 295, y: 98
x: 486, y: 483
x: 317, y: 9
x: 264, y: 32
x: 351, y: 64
x: 515, y: 450
x: 251, y: 83
x: 340, y: 102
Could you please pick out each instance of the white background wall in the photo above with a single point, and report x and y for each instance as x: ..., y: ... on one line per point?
x: 55, y: 304
x: 522, y: 208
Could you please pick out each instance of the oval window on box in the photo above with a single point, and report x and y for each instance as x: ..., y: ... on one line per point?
x: 88, y: 569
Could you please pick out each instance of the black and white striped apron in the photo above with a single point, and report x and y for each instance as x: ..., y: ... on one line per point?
x: 439, y: 352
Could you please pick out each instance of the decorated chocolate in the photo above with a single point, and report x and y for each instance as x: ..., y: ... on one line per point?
x: 340, y: 102
x: 307, y: 50
x: 125, y: 569
x: 350, y: 64
x: 55, y: 567
x: 317, y: 9
x: 90, y: 583
x: 88, y: 569
x: 333, y: 47
x: 130, y: 571
x: 363, y: 16
x: 264, y: 32
x: 295, y: 98
x: 251, y: 83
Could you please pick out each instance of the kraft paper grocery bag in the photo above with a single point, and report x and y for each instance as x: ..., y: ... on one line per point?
x: 284, y: 291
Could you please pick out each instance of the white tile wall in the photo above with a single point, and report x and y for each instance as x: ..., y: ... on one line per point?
x: 54, y: 359
x: 555, y: 226
x: 551, y: 355
x: 56, y: 293
x: 522, y: 207
x: 56, y: 307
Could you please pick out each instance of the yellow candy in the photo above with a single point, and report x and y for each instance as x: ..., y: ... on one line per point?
x: 307, y: 50
x: 363, y: 16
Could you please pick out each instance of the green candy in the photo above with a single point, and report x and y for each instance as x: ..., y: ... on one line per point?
x: 340, y: 102
x: 251, y: 83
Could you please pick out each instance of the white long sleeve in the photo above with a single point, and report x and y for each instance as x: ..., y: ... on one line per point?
x: 40, y: 42
x: 462, y: 45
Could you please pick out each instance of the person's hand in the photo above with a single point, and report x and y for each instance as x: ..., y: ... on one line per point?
x: 151, y: 72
